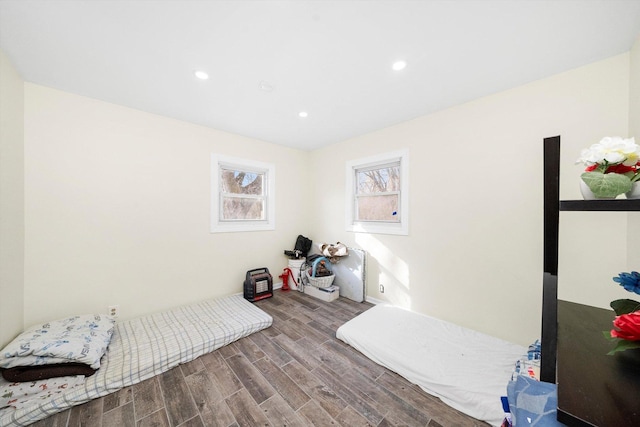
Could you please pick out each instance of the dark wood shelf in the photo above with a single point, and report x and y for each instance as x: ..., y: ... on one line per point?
x: 618, y: 205
x: 594, y: 389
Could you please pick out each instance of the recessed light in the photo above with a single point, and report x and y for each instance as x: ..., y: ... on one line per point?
x: 266, y: 86
x: 201, y: 75
x: 303, y: 114
x: 399, y: 65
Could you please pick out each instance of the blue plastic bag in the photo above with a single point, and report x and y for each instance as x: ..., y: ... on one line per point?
x: 533, y: 403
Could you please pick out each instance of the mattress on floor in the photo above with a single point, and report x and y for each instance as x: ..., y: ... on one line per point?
x: 466, y: 369
x: 150, y: 345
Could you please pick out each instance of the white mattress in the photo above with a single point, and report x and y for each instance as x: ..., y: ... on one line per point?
x: 467, y: 370
x: 147, y: 346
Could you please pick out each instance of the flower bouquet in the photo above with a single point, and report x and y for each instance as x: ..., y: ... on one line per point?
x: 612, y: 166
x: 627, y: 321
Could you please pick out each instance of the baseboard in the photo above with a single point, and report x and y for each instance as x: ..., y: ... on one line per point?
x: 374, y: 300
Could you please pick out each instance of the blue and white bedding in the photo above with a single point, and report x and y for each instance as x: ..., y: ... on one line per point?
x: 147, y: 346
x: 79, y: 339
x: 466, y: 369
x: 531, y: 401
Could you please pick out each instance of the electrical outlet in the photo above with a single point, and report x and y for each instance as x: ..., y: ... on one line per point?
x: 114, y: 310
x: 381, y: 288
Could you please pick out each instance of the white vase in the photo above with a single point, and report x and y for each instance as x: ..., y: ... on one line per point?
x: 634, y: 193
x: 587, y: 194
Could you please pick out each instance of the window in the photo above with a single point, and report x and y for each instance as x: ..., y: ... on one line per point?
x: 242, y: 196
x: 377, y: 194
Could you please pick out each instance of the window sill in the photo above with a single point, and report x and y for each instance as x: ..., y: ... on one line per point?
x: 397, y: 229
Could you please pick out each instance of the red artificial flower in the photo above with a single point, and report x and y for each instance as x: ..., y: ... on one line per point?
x: 620, y: 169
x: 628, y: 325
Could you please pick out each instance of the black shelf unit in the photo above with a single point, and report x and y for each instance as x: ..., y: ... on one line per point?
x: 618, y: 205
x: 594, y: 389
x: 573, y: 408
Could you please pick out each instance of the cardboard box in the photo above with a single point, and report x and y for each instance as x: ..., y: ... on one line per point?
x: 325, y: 294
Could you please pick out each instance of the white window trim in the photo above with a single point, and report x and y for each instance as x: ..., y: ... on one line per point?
x: 400, y: 228
x: 218, y: 226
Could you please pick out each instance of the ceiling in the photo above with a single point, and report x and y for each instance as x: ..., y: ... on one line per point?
x: 269, y: 60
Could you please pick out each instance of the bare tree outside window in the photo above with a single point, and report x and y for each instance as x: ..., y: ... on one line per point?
x: 378, y: 193
x: 242, y: 195
x: 377, y: 196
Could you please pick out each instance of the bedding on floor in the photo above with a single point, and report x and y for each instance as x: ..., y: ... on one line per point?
x: 78, y: 339
x: 43, y: 372
x: 532, y: 402
x: 19, y: 395
x: 466, y: 369
x: 70, y: 346
x: 147, y: 346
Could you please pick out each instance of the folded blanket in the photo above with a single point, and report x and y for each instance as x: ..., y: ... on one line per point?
x: 20, y: 395
x: 78, y: 339
x: 43, y: 372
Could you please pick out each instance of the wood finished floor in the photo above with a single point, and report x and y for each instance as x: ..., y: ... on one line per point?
x: 295, y: 373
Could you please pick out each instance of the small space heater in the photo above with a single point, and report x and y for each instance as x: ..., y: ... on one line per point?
x: 258, y: 284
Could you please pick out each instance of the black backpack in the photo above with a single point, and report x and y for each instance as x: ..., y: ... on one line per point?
x: 302, y: 247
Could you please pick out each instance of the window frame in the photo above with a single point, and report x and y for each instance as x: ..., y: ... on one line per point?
x: 400, y: 227
x: 219, y: 225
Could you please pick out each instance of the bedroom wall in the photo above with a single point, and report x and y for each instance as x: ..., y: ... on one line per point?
x: 117, y: 209
x: 474, y: 251
x: 634, y: 91
x: 633, y: 255
x: 11, y: 201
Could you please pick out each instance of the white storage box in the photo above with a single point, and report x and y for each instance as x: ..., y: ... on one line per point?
x: 325, y: 294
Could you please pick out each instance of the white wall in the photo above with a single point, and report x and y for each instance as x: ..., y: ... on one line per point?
x: 117, y: 209
x: 474, y: 252
x: 633, y: 255
x: 634, y: 91
x: 11, y: 201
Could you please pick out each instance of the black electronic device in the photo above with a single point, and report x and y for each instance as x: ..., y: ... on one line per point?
x: 258, y: 284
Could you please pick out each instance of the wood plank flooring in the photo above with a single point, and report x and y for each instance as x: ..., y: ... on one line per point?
x: 295, y: 373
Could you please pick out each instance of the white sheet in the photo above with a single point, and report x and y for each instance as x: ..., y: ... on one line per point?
x: 147, y: 346
x: 466, y: 369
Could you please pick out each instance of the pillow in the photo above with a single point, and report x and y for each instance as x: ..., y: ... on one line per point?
x: 81, y: 339
x: 43, y: 372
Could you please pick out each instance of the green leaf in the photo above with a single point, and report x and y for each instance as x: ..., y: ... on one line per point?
x: 633, y: 177
x: 623, y: 345
x: 607, y: 335
x: 606, y: 184
x: 625, y: 306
